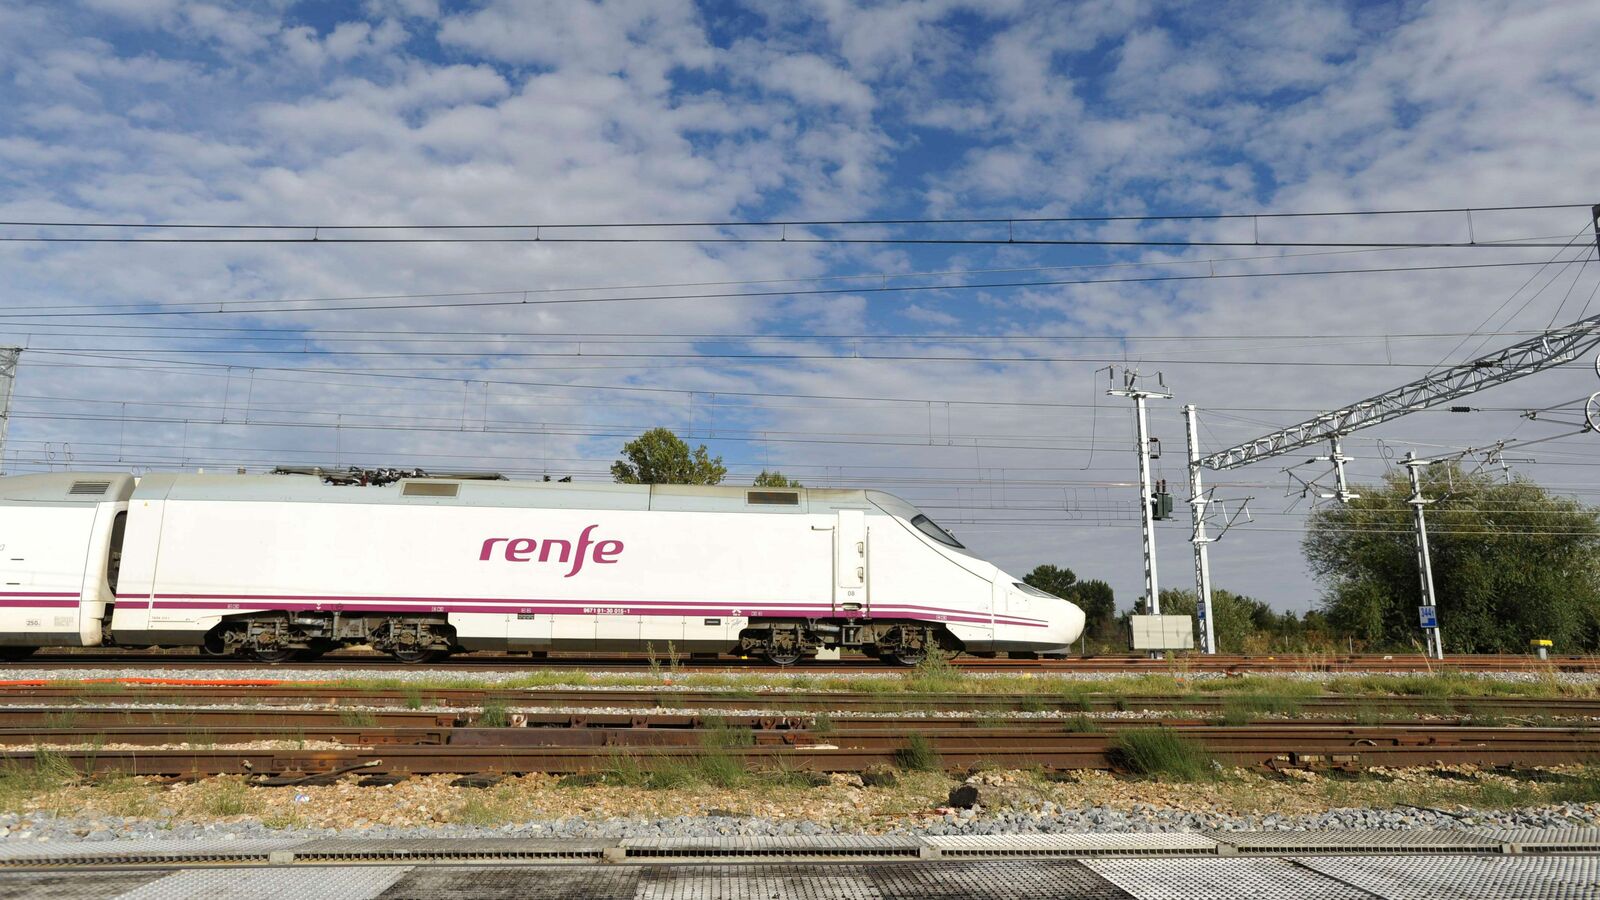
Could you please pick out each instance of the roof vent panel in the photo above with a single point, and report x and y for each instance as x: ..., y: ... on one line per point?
x: 430, y: 489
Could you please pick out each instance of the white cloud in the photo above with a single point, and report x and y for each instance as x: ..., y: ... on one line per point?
x: 581, y: 111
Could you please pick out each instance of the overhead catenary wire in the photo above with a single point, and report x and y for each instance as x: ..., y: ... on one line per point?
x: 1143, y: 217
x: 562, y: 232
x: 205, y: 310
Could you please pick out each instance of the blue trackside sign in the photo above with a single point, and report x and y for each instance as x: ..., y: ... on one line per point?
x: 1429, y: 615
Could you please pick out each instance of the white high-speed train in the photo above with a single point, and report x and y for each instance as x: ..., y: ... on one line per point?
x: 280, y: 566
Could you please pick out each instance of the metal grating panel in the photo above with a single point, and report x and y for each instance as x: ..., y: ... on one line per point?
x: 1198, y: 878
x: 998, y: 880
x: 1411, y: 840
x: 1545, y: 840
x: 16, y: 854
x: 449, y: 849
x: 318, y: 883
x: 543, y: 883
x: 1464, y: 877
x: 763, y: 883
x: 72, y: 885
x: 1162, y: 844
x: 829, y: 846
x: 89, y: 488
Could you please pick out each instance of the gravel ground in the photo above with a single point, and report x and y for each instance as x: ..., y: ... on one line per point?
x: 1011, y: 802
x: 44, y: 826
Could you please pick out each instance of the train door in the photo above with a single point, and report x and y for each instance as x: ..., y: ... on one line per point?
x: 850, y: 560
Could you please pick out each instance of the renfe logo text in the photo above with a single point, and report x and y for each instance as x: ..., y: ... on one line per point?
x: 522, y: 550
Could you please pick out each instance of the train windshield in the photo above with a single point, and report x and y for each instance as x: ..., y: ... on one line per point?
x: 1033, y: 591
x: 932, y: 529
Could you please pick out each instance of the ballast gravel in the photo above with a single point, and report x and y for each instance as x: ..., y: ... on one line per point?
x: 45, y: 826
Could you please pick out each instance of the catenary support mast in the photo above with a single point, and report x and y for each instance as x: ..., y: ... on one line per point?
x: 1414, y: 469
x: 1130, y: 388
x: 1202, y: 543
x: 9, y: 357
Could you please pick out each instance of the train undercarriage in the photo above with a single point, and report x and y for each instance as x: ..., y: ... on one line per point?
x: 903, y: 643
x: 283, y: 636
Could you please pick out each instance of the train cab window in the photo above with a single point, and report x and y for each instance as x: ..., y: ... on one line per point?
x: 1032, y: 591
x: 119, y: 527
x: 932, y: 529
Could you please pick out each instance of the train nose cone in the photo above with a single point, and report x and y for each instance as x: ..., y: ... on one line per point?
x: 1068, y: 623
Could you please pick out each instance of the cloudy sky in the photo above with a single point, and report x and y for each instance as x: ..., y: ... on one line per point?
x: 965, y: 376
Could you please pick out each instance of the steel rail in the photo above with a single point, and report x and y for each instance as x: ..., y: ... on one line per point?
x: 1064, y: 751
x: 1321, y: 737
x: 351, y: 698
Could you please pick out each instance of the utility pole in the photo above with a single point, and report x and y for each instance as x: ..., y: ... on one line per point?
x: 1130, y: 388
x: 9, y: 356
x: 1429, y: 614
x: 1202, y: 543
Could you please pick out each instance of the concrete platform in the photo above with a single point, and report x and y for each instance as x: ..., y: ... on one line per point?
x: 1340, y: 877
x: 1334, y: 865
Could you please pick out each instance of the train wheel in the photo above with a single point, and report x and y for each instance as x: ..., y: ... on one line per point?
x: 907, y: 658
x: 416, y: 657
x: 781, y: 657
x: 14, y: 654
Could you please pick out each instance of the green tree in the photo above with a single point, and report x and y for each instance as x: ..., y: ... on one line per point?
x: 1099, y: 605
x: 1511, y: 562
x: 776, y: 479
x: 1241, y: 624
x: 660, y: 457
x: 1094, y: 597
x: 1057, y: 580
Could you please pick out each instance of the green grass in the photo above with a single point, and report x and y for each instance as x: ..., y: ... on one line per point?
x: 495, y: 714
x: 1242, y: 709
x: 66, y: 718
x: 822, y: 723
x: 719, y: 769
x: 718, y: 734
x: 918, y: 755
x: 18, y: 782
x: 935, y: 676
x: 413, y: 698
x: 1081, y: 724
x: 358, y: 718
x: 1163, y: 754
x: 228, y: 797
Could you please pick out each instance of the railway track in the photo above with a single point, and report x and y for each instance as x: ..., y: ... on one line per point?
x: 405, y: 751
x: 134, y: 659
x: 267, y: 693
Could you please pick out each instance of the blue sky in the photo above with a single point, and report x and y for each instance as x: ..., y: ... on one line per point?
x: 411, y: 111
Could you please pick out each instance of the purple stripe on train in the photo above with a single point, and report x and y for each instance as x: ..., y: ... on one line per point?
x: 548, y: 607
x: 503, y: 604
